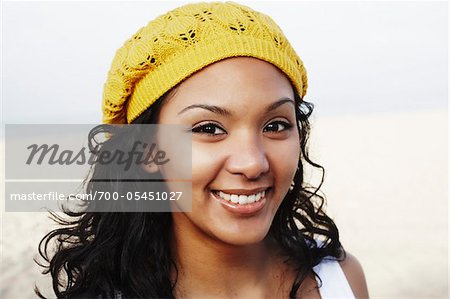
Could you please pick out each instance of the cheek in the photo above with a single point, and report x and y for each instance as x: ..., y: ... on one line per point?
x: 284, y: 162
x: 284, y: 159
x: 205, y: 163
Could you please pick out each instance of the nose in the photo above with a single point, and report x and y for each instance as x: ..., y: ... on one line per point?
x: 247, y: 157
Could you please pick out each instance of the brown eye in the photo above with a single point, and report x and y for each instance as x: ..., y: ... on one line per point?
x: 209, y: 129
x: 277, y: 126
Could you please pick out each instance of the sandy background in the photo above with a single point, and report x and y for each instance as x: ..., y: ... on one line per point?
x: 386, y: 185
x: 387, y: 189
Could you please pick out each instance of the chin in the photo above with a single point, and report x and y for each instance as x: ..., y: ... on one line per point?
x: 242, y: 238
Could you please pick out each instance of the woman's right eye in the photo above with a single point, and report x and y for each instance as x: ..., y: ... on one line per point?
x: 210, y: 129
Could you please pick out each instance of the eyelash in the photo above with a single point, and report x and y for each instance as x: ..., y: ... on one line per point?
x: 200, y: 129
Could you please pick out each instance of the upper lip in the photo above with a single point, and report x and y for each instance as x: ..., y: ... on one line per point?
x: 243, y: 191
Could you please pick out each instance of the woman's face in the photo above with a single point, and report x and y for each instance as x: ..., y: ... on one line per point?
x: 245, y: 147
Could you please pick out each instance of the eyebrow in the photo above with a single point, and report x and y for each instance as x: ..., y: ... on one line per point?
x: 226, y: 112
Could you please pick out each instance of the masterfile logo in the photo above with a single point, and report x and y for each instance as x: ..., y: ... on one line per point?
x: 113, y: 168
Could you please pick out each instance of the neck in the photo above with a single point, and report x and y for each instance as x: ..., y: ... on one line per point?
x: 210, y: 266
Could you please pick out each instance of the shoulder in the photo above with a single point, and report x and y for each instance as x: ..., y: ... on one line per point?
x: 355, y: 275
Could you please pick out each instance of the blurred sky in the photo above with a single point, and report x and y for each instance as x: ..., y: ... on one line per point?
x: 361, y: 57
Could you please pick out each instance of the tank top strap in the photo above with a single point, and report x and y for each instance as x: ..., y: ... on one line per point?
x: 334, y: 282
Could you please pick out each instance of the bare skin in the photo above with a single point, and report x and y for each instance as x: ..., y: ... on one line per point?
x: 222, y: 254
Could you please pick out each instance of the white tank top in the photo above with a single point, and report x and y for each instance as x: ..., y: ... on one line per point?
x: 334, y: 282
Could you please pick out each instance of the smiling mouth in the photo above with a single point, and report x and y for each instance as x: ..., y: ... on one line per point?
x: 241, y: 199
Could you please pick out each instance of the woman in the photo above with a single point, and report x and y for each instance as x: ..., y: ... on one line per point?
x: 256, y: 229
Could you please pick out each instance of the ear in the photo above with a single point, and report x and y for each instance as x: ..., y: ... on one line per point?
x: 149, y: 164
x: 150, y: 168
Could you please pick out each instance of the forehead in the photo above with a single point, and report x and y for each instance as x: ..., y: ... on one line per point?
x: 233, y: 80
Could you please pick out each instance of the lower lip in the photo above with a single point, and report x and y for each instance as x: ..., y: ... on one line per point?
x: 247, y: 209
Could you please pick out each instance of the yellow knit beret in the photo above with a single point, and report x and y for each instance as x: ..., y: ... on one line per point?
x: 175, y: 45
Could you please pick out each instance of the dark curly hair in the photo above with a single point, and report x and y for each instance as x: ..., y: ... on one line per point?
x: 101, y: 253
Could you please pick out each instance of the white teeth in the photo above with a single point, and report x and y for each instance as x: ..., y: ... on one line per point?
x: 234, y: 198
x: 242, y: 199
x: 225, y: 196
x: 258, y: 196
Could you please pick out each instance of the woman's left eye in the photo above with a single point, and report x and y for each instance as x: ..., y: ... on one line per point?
x: 277, y: 126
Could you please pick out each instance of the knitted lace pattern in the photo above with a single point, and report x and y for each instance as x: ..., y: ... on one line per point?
x: 177, y: 44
